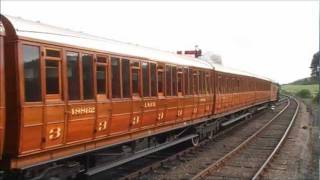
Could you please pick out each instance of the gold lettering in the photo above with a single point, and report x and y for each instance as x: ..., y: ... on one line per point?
x: 203, y: 100
x: 54, y: 133
x: 160, y: 116
x: 102, y: 126
x: 83, y: 110
x: 149, y: 104
x: 195, y: 110
x: 135, y: 120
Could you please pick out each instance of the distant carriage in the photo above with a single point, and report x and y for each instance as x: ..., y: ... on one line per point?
x: 69, y: 94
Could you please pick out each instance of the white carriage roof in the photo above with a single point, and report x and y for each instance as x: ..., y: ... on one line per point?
x: 40, y: 31
x: 37, y: 30
x: 221, y: 68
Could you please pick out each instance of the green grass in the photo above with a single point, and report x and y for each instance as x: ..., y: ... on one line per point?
x: 293, y: 89
x: 314, y: 88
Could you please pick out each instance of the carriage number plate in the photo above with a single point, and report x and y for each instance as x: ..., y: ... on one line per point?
x: 83, y: 110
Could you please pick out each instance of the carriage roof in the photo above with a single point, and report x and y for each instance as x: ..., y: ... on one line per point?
x: 40, y: 31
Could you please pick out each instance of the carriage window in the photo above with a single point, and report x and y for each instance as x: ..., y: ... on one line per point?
x: 101, y: 79
x: 195, y: 82
x: 223, y: 79
x: 227, y: 85
x: 236, y: 88
x: 246, y: 85
x: 203, y: 79
x: 125, y: 78
x: 224, y: 82
x: 87, y: 76
x: 228, y: 89
x: 180, y: 80
x: 224, y: 85
x: 101, y: 59
x: 115, y: 73
x: 153, y: 77
x: 208, y: 84
x: 32, y: 85
x: 52, y: 53
x: 233, y: 85
x: 160, y: 80
x: 230, y: 86
x: 168, y: 81
x: 174, y: 81
x: 52, y: 76
x: 135, y: 78
x: 145, y: 79
x: 212, y: 82
x: 191, y: 81
x: 201, y: 82
x: 186, y: 83
x: 73, y: 76
x: 101, y: 74
x: 219, y: 89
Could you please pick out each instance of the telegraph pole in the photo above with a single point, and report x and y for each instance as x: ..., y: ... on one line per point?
x: 318, y: 70
x: 318, y: 114
x: 318, y: 74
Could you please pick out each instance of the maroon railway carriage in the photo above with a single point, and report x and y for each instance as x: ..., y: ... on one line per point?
x: 2, y: 96
x: 70, y: 94
x: 274, y: 92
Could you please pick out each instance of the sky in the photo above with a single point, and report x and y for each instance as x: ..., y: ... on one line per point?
x: 275, y: 39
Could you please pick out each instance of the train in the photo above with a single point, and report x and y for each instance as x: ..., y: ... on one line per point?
x: 74, y: 104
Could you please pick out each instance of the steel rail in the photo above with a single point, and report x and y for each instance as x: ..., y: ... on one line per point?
x: 260, y: 172
x: 216, y: 165
x: 177, y: 155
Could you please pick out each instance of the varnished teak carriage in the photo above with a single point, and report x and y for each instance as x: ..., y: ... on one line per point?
x: 69, y: 93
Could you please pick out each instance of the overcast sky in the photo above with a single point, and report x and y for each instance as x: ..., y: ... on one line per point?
x: 268, y: 38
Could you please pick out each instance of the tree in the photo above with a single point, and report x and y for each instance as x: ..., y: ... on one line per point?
x: 315, y: 64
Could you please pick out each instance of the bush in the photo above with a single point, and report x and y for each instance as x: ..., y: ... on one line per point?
x: 304, y: 93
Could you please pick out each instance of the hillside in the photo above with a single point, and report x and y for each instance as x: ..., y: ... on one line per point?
x: 294, y: 88
x: 304, y: 81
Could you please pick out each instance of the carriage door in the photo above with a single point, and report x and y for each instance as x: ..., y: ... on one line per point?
x: 137, y: 104
x: 81, y: 107
x: 54, y: 107
x: 121, y: 118
x: 103, y: 103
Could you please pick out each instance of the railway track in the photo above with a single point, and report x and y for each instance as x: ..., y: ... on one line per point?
x: 250, y: 159
x: 156, y: 165
x: 189, y: 164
